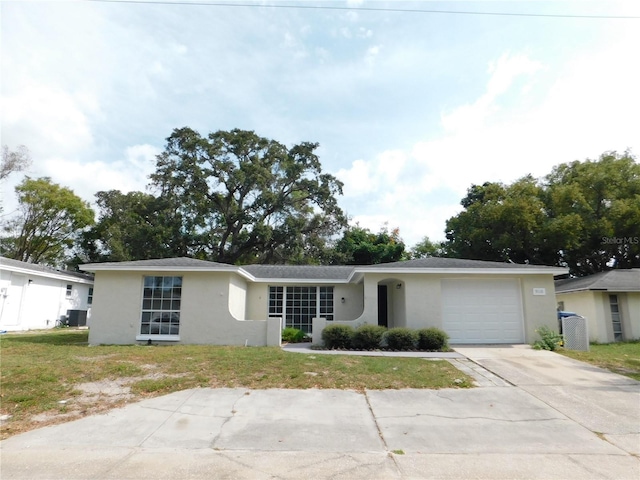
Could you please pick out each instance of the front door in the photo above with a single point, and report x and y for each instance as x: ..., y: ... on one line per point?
x: 383, y: 307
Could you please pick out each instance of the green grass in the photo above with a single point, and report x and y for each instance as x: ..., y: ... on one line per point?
x: 38, y: 370
x: 622, y: 357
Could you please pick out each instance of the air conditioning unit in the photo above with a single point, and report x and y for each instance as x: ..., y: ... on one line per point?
x: 76, y: 318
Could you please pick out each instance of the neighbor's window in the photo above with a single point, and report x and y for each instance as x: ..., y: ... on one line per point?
x: 69, y: 290
x: 161, y: 306
x: 616, y: 318
x: 90, y: 296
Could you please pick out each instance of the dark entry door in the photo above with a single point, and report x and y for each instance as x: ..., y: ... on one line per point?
x: 383, y: 310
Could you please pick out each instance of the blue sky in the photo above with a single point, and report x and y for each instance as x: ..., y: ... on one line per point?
x: 409, y: 108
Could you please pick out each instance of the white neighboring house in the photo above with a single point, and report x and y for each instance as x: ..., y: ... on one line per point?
x: 36, y: 297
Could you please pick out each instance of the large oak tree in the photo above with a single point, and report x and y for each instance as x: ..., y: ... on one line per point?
x: 243, y: 198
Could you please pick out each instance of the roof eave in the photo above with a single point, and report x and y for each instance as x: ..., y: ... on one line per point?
x: 43, y: 273
x: 97, y: 267
x: 467, y: 271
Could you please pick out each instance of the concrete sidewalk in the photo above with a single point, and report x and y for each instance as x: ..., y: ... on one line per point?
x: 494, y: 432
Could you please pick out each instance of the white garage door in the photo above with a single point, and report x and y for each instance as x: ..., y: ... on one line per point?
x: 482, y: 311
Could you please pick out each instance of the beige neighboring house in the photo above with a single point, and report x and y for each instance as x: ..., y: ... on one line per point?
x: 37, y: 297
x: 610, y: 301
x: 198, y: 302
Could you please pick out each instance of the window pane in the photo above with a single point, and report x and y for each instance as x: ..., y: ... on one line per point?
x: 161, y: 306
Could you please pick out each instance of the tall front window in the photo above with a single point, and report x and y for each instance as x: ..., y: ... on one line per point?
x: 161, y: 306
x: 299, y: 305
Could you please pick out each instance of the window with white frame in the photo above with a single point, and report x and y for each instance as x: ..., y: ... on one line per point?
x: 298, y: 305
x: 161, y: 299
x: 90, y: 296
x: 69, y: 290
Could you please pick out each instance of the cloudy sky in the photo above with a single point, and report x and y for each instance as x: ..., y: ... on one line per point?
x: 409, y: 107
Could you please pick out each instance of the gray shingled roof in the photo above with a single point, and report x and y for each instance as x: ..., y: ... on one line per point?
x: 312, y: 272
x: 623, y: 280
x: 299, y: 271
x: 162, y: 262
x: 9, y: 262
x: 440, y: 262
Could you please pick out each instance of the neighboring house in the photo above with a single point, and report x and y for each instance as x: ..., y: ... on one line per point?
x: 199, y: 302
x: 610, y: 301
x: 35, y: 297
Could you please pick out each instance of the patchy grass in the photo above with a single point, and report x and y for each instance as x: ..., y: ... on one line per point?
x: 622, y: 357
x: 54, y: 376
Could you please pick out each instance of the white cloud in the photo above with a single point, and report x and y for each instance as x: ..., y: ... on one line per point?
x: 364, y: 33
x: 590, y: 107
x: 503, y: 73
x: 130, y: 173
x: 370, y: 56
x: 56, y: 120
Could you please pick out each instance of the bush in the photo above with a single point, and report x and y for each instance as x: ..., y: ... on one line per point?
x: 337, y: 336
x: 292, y: 335
x: 367, y: 337
x: 401, y: 339
x: 433, y: 340
x: 549, y: 340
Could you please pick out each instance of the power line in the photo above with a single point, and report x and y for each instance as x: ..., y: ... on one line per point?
x: 368, y: 9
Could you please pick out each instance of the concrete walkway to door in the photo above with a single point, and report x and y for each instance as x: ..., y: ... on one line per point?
x: 606, y: 403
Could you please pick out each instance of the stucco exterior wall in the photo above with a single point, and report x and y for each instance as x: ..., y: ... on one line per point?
x: 590, y: 305
x: 205, y: 316
x: 539, y: 309
x: 418, y: 301
x: 633, y: 303
x: 237, y: 297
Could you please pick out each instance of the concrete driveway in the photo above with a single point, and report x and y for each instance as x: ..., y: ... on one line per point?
x: 550, y: 418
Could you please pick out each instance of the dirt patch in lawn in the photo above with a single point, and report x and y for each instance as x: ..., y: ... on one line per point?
x: 90, y: 398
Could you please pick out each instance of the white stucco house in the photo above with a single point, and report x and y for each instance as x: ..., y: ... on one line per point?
x: 198, y: 302
x: 610, y: 301
x: 36, y: 297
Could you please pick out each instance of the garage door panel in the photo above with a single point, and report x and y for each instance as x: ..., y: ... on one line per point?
x: 482, y: 311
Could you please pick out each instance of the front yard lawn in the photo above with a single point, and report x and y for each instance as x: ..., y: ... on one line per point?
x: 622, y: 357
x: 54, y: 376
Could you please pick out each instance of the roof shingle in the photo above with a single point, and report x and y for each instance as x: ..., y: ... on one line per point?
x: 623, y: 280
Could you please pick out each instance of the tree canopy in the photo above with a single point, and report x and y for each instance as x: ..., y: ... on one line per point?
x: 132, y: 226
x: 49, y: 219
x: 360, y: 246
x: 14, y: 161
x: 584, y: 215
x: 231, y: 197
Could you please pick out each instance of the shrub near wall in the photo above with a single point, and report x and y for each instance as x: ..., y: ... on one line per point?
x: 337, y: 336
x: 433, y: 340
x: 292, y: 335
x: 367, y: 337
x: 401, y: 338
x: 372, y: 337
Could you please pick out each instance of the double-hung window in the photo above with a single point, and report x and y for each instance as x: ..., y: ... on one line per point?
x: 298, y: 305
x: 161, y: 297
